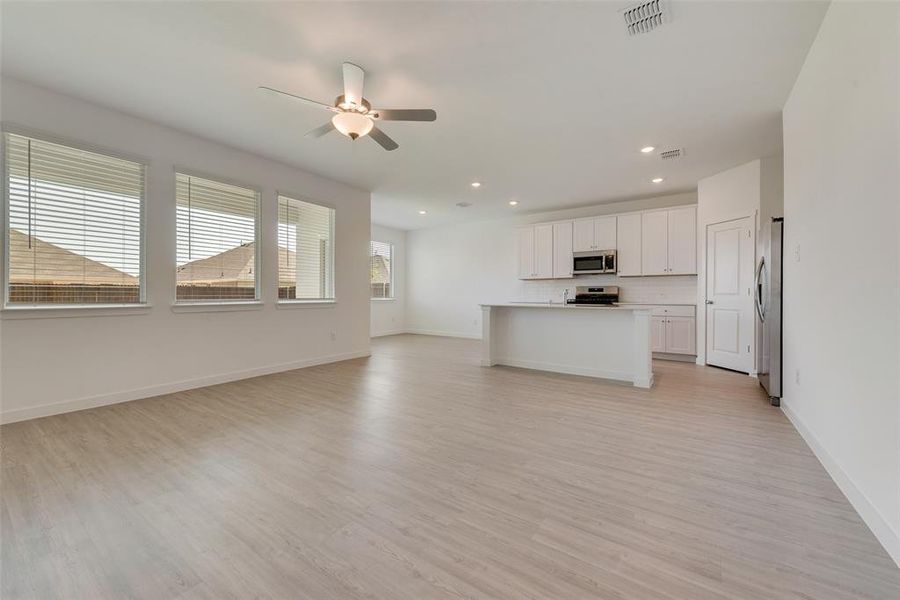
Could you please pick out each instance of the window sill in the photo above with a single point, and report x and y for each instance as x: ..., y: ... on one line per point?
x: 73, y: 310
x: 195, y: 307
x: 305, y: 303
x: 382, y: 299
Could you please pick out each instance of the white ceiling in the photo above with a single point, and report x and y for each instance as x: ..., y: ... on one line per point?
x: 547, y: 103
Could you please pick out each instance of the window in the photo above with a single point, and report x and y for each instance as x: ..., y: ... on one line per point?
x: 216, y: 231
x: 73, y: 225
x: 305, y: 250
x: 381, y: 272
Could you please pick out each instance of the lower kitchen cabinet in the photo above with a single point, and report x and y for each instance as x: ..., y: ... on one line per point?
x: 672, y: 331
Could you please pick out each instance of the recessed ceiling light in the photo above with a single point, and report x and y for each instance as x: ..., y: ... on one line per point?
x: 476, y: 184
x: 423, y: 212
x: 513, y: 202
x: 647, y: 149
x: 657, y: 180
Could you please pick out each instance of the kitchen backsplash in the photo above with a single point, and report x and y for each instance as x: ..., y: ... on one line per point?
x: 672, y: 289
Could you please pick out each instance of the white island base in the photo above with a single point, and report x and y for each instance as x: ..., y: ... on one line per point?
x: 610, y: 342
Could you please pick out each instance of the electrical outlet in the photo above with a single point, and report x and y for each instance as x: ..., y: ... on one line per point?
x: 797, y: 252
x: 333, y: 336
x: 797, y: 376
x: 474, y: 321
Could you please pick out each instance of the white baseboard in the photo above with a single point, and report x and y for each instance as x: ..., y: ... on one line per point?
x: 453, y: 334
x: 56, y: 408
x: 568, y: 369
x: 385, y: 333
x: 879, y: 526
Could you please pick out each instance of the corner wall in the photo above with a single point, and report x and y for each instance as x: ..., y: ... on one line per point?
x: 389, y: 316
x: 842, y: 257
x: 57, y: 364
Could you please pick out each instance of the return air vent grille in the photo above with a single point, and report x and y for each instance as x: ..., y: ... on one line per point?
x: 645, y: 17
x: 670, y: 154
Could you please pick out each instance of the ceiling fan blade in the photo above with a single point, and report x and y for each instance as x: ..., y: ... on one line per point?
x: 269, y: 90
x: 383, y: 139
x: 320, y: 131
x: 353, y: 83
x: 404, y: 114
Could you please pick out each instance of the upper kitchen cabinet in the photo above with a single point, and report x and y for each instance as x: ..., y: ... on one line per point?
x: 562, y: 250
x: 594, y: 233
x: 536, y: 252
x: 628, y: 242
x: 683, y: 240
x: 669, y: 241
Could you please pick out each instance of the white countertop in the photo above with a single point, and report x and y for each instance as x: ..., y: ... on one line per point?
x: 564, y: 306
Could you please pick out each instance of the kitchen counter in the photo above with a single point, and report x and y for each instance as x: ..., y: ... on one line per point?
x: 609, y: 342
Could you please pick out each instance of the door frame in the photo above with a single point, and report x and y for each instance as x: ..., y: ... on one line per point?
x: 703, y: 254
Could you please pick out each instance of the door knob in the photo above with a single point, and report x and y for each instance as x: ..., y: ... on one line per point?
x: 709, y: 301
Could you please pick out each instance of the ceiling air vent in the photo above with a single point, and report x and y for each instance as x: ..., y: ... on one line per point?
x: 463, y: 204
x: 670, y: 154
x: 646, y: 16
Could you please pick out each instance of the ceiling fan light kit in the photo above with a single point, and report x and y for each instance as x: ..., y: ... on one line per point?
x: 354, y: 116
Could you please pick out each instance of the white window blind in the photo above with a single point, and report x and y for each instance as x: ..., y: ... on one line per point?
x: 73, y: 225
x: 381, y: 272
x: 216, y: 231
x: 305, y: 250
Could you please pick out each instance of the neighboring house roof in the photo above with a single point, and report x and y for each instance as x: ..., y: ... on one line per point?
x: 233, y: 267
x: 57, y: 266
x: 380, y: 268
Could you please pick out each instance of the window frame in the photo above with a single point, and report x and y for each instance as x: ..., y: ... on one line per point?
x: 75, y: 309
x: 219, y: 304
x: 393, y: 295
x: 299, y: 302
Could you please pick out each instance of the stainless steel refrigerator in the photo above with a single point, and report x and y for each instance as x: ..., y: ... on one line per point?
x: 768, y: 309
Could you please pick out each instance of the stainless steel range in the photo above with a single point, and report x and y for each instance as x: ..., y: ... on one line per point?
x: 587, y: 295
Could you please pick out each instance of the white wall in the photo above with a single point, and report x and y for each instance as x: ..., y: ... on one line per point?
x: 751, y: 190
x: 842, y: 297
x: 389, y: 316
x: 57, y: 364
x: 450, y: 270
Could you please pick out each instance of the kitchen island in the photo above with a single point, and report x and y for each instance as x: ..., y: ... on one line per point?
x: 610, y: 342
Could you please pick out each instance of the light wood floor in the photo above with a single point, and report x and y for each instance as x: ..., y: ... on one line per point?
x: 418, y: 474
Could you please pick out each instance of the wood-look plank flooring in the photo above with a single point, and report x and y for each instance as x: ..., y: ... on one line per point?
x: 417, y: 474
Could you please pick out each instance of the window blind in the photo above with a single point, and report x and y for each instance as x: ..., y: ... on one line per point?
x: 305, y: 250
x: 381, y: 273
x: 216, y: 236
x: 73, y: 224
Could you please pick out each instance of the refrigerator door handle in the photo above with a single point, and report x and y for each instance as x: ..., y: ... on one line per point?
x: 760, y: 309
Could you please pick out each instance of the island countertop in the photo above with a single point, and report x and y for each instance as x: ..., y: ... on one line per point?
x: 526, y: 304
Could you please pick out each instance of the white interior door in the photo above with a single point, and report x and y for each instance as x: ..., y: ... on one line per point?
x: 730, y: 259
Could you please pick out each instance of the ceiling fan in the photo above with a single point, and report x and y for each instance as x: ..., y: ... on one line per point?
x: 354, y: 116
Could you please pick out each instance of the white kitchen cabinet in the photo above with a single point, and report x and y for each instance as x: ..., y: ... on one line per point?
x: 536, y: 252
x: 526, y: 253
x: 654, y: 243
x: 657, y: 334
x: 562, y: 250
x: 583, y: 235
x: 681, y: 336
x: 605, y: 233
x: 595, y: 233
x: 628, y: 244
x: 669, y: 241
x: 543, y: 251
x: 682, y: 241
x: 673, y: 330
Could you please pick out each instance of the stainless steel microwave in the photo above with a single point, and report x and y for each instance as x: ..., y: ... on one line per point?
x: 593, y: 262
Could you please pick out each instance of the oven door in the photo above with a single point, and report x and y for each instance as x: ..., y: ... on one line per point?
x: 589, y: 263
